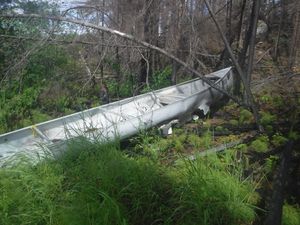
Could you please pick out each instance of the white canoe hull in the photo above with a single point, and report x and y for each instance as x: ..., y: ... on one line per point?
x: 120, y: 119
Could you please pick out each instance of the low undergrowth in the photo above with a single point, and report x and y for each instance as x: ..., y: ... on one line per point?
x: 98, y: 184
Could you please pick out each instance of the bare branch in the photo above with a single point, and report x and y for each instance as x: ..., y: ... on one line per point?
x: 131, y: 38
x: 238, y: 68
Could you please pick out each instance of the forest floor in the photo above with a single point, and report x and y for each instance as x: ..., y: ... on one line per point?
x: 151, y: 179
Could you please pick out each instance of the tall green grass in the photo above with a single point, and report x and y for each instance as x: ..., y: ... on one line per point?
x: 98, y: 184
x: 215, y: 192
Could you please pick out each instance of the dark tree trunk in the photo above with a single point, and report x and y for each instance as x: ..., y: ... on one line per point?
x: 295, y: 43
x: 237, y: 80
x: 150, y: 36
x: 275, y: 207
x: 253, y: 25
x: 240, y: 23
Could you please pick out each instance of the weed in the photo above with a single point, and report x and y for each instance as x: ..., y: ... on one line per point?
x: 234, y: 122
x: 245, y: 117
x: 38, y: 117
x: 195, y: 141
x: 163, y: 145
x: 265, y: 98
x: 97, y: 184
x: 261, y: 144
x: 270, y: 163
x: 267, y: 118
x: 293, y: 135
x: 290, y: 214
x: 210, y: 190
x: 269, y: 129
x: 242, y: 147
x: 278, y: 140
x: 178, y: 145
x: 219, y: 128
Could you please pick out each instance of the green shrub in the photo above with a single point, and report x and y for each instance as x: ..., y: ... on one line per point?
x: 278, y: 140
x: 290, y: 215
x: 219, y: 128
x: 261, y: 144
x: 266, y: 98
x: 38, y: 117
x: 234, y: 122
x: 267, y: 118
x: 161, y: 79
x: 278, y: 101
x: 269, y: 129
x: 293, y: 135
x: 270, y: 163
x: 241, y: 147
x: 245, y: 117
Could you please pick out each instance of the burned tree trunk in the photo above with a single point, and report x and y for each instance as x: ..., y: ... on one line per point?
x: 275, y: 207
x: 150, y: 36
x: 252, y: 38
x: 295, y: 43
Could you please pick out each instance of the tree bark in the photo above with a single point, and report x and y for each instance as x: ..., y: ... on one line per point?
x: 275, y: 209
x: 255, y: 9
x: 237, y: 81
x: 240, y: 23
x: 295, y: 43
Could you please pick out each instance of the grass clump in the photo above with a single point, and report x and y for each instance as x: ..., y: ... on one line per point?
x: 29, y: 194
x: 195, y: 141
x: 98, y: 184
x: 216, y: 194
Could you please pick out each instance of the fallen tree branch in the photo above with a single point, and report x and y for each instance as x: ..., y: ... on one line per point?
x: 223, y: 147
x: 263, y: 55
x: 217, y: 149
x: 131, y: 38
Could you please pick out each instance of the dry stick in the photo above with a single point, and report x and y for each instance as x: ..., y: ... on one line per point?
x: 132, y: 38
x: 87, y: 69
x: 263, y: 55
x: 238, y: 68
x: 217, y: 149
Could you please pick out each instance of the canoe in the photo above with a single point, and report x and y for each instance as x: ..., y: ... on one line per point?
x: 119, y: 119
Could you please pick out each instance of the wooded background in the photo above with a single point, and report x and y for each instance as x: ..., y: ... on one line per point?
x: 62, y: 64
x: 57, y: 59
